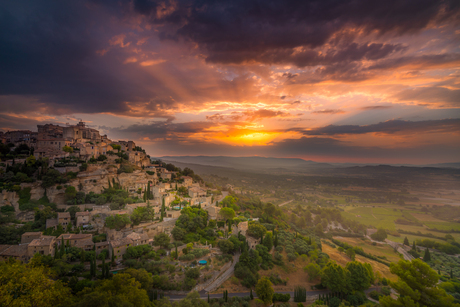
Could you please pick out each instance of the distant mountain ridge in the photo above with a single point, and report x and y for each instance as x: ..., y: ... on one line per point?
x: 249, y: 163
x: 270, y: 163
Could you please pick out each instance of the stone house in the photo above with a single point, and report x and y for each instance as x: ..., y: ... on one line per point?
x: 52, y: 223
x: 74, y: 239
x: 64, y: 218
x: 173, y: 214
x: 81, y: 132
x: 88, y: 150
x: 188, y: 181
x: 18, y: 252
x: 82, y: 218
x: 28, y: 237
x: 243, y: 227
x: 119, y: 247
x: 86, y: 244
x: 213, y: 212
x: 100, y: 246
x: 196, y: 192
x: 44, y: 246
x: 138, y: 238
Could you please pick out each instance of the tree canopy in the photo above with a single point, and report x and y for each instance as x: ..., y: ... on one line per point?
x: 417, y: 286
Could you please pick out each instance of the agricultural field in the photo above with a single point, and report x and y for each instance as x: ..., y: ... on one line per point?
x: 342, y: 259
x: 377, y: 217
x: 379, y: 250
x: 445, y: 263
x: 443, y: 225
x: 411, y: 238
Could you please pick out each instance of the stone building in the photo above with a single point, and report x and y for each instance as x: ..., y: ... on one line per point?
x: 28, y: 237
x: 64, y: 218
x: 44, y: 246
x: 81, y: 132
x: 18, y: 252
x: 82, y: 218
x: 74, y: 239
x: 119, y: 247
x: 138, y: 238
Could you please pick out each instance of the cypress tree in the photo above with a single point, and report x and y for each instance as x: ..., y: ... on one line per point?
x: 82, y: 256
x: 113, y: 257
x: 413, y: 246
x: 62, y: 248
x: 208, y: 293
x: 406, y: 241
x: 427, y: 256
x: 56, y: 251
x: 451, y: 274
x: 103, y: 268
x: 252, y: 296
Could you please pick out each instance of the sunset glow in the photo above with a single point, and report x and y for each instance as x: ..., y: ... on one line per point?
x: 196, y: 78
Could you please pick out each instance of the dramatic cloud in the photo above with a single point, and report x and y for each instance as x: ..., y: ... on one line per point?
x: 391, y: 127
x: 238, y: 31
x: 277, y: 78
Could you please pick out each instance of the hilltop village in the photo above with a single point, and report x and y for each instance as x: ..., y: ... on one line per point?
x: 90, y: 214
x: 96, y: 186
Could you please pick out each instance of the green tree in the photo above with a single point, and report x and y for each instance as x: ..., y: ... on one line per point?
x: 264, y: 290
x: 334, y: 277
x: 256, y: 230
x: 192, y: 300
x: 358, y: 276
x: 70, y: 193
x: 313, y: 270
x: 161, y: 239
x: 427, y: 256
x: 142, y: 276
x: 121, y: 290
x: 30, y: 285
x: 227, y: 213
x: 268, y: 240
x: 380, y: 235
x: 67, y: 149
x: 351, y: 253
x: 30, y: 161
x: 226, y: 246
x: 406, y: 241
x: 319, y: 230
x: 417, y: 286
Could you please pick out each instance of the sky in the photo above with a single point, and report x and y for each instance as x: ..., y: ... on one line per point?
x: 323, y: 80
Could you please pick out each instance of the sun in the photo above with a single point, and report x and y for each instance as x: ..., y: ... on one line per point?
x: 249, y: 138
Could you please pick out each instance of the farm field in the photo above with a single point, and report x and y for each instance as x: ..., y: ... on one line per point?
x: 342, y: 259
x: 411, y: 238
x: 382, y: 250
x: 443, y: 225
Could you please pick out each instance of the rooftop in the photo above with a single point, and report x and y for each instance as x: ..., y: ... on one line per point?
x: 15, y: 251
x: 121, y: 242
x: 43, y: 241
x: 63, y: 215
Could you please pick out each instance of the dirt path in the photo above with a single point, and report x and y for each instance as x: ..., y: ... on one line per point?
x: 224, y: 276
x: 285, y: 203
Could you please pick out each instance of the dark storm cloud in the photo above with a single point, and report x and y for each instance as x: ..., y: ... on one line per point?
x: 162, y: 129
x: 49, y: 50
x: 391, y: 127
x: 269, y: 31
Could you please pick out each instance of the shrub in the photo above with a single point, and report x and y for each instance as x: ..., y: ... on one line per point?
x: 375, y: 295
x: 280, y: 297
